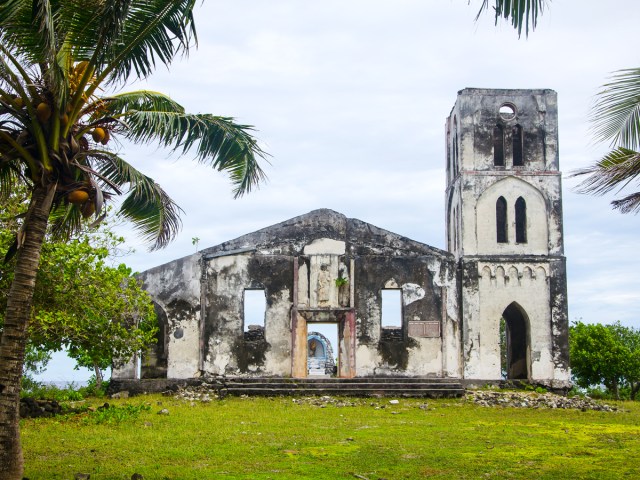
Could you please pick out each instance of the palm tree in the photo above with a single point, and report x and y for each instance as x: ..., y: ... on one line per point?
x: 615, y: 117
x: 57, y: 61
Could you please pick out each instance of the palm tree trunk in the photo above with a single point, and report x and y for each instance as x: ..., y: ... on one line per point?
x: 14, y: 336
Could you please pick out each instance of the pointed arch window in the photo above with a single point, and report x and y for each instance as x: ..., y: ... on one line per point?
x: 521, y: 220
x: 516, y: 138
x: 501, y: 220
x: 498, y: 146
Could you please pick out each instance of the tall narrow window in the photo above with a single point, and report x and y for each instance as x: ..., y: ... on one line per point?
x: 518, y: 159
x: 501, y: 220
x: 391, y: 308
x: 391, y: 321
x: 521, y: 221
x: 498, y: 146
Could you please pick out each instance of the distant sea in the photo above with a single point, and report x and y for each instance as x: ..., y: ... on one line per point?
x: 65, y: 383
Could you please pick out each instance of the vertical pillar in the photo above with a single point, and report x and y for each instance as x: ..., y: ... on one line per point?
x: 298, y: 345
x: 347, y: 345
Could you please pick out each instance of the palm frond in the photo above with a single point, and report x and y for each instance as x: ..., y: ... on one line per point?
x: 43, y: 20
x: 154, y: 30
x: 153, y: 214
x: 219, y: 142
x: 614, y: 172
x: 147, y: 205
x: 144, y: 100
x: 8, y: 180
x: 628, y: 204
x: 65, y: 220
x: 523, y: 13
x: 615, y: 115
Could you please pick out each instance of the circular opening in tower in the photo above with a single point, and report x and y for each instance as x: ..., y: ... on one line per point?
x: 507, y: 111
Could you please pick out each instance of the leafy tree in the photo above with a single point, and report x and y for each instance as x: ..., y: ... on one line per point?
x: 605, y: 354
x: 58, y: 62
x: 97, y: 311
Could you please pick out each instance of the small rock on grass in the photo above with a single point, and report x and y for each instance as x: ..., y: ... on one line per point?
x: 164, y: 411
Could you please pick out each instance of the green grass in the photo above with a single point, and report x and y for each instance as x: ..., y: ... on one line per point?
x: 262, y: 438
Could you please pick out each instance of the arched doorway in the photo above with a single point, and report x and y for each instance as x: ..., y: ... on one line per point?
x: 154, y: 359
x: 514, y: 343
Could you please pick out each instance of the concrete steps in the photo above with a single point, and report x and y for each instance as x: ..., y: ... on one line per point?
x: 360, y: 387
x: 281, y: 386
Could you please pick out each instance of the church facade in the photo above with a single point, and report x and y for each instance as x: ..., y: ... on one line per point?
x: 491, y: 307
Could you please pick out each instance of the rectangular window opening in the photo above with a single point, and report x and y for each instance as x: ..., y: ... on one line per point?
x: 254, y: 311
x: 391, y: 308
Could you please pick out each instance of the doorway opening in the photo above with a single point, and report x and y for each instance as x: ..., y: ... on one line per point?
x: 322, y: 349
x: 514, y: 343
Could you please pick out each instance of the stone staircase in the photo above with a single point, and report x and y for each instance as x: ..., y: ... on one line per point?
x: 358, y: 387
x: 280, y: 386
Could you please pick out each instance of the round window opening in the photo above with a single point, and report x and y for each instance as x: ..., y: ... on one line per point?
x: 507, y: 111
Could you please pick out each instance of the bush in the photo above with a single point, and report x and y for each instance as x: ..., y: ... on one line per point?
x: 52, y: 392
x: 92, y: 390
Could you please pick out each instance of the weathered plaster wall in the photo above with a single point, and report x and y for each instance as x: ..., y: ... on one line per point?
x: 424, y: 282
x: 451, y: 302
x: 175, y: 288
x: 225, y: 350
x: 472, y: 174
x: 496, y: 274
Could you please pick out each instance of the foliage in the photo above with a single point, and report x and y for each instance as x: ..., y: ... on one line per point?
x: 68, y: 393
x: 340, y: 281
x: 81, y: 303
x: 100, y: 313
x: 62, y: 65
x: 522, y: 13
x: 60, y: 124
x: 365, y: 438
x: 113, y: 414
x: 97, y: 312
x: 607, y: 355
x: 615, y: 117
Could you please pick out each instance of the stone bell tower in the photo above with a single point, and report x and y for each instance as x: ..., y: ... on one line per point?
x: 504, y: 225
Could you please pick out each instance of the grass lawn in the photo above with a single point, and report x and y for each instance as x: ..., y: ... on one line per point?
x: 279, y: 438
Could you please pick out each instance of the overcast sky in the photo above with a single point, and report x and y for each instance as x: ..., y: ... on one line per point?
x: 350, y: 97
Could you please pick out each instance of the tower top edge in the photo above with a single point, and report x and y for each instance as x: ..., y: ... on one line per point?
x: 469, y: 91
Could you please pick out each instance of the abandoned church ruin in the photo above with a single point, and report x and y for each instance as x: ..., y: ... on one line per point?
x: 504, y: 264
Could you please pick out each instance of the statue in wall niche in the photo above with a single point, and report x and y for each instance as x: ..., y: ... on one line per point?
x: 324, y: 283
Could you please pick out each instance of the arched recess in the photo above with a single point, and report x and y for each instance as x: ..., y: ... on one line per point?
x: 502, y: 235
x: 537, y: 221
x: 521, y: 220
x: 515, y: 344
x: 154, y: 359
